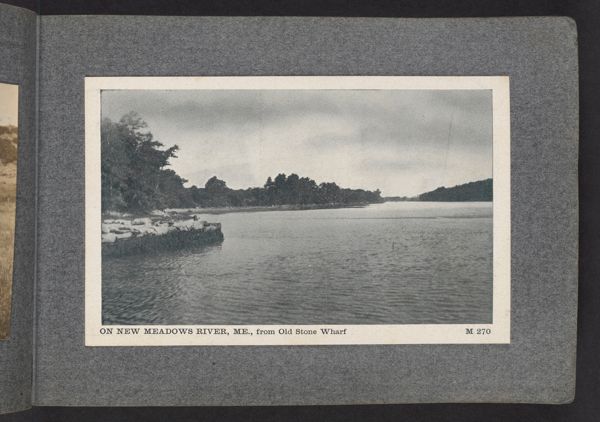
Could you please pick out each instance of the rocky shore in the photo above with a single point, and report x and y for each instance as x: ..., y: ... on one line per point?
x: 124, y: 236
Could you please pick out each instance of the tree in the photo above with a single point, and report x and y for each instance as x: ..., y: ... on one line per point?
x: 215, y: 185
x: 269, y: 183
x: 280, y: 191
x: 330, y: 192
x: 133, y: 171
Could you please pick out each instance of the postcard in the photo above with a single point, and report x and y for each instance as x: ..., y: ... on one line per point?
x: 297, y: 210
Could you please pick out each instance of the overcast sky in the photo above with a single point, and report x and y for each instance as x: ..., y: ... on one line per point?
x: 403, y: 142
x: 9, y: 104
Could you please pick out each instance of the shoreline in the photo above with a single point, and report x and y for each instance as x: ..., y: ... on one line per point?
x: 264, y: 208
x: 175, y: 212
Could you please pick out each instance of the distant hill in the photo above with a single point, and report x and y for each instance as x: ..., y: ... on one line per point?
x: 8, y: 144
x: 481, y: 190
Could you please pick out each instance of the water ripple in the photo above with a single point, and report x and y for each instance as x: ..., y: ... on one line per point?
x: 397, y: 263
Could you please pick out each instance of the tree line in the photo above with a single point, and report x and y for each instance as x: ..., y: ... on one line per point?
x: 482, y: 190
x: 136, y: 178
x: 479, y: 191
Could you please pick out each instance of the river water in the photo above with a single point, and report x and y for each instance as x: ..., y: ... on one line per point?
x: 391, y: 263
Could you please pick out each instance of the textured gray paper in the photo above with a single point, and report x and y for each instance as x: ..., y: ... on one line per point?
x: 539, y: 55
x: 18, y: 39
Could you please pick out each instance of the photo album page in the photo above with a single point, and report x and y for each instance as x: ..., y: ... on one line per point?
x: 284, y: 211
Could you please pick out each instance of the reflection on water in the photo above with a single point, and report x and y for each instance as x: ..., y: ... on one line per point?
x: 392, y: 263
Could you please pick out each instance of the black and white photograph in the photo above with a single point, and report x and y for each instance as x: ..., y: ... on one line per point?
x: 296, y: 207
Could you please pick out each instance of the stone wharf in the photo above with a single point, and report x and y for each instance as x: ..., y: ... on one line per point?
x: 142, y: 235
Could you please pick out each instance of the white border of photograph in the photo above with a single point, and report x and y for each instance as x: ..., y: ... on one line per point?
x: 97, y: 334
